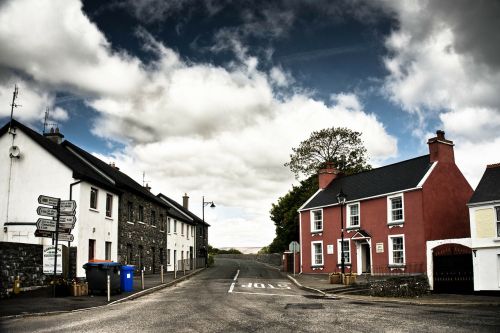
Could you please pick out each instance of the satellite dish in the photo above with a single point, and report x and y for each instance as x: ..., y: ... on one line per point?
x: 14, y: 152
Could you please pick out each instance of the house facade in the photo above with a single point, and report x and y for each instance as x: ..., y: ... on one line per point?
x: 389, y: 214
x: 45, y: 167
x: 484, y: 209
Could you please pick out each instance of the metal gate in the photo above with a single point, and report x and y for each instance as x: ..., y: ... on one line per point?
x: 453, y: 269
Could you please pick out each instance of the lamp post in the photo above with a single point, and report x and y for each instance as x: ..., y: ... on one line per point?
x: 205, y: 204
x: 341, y: 198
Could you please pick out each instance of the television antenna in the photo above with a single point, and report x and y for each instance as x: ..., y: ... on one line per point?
x: 13, y: 105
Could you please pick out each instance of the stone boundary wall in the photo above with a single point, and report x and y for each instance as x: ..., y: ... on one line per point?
x: 274, y: 259
x: 20, y: 259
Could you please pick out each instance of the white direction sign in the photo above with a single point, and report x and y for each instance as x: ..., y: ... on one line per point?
x: 45, y: 211
x: 47, y: 225
x: 66, y: 237
x: 67, y: 219
x: 66, y: 225
x: 49, y: 201
x: 68, y: 206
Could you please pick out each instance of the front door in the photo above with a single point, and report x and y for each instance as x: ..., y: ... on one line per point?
x: 364, y: 258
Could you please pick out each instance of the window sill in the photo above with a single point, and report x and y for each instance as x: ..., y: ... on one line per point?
x: 93, y: 210
x: 162, y: 231
x: 396, y: 266
x: 355, y: 227
x: 315, y: 267
x: 129, y: 222
x: 153, y: 226
x: 395, y: 224
x: 109, y: 218
x: 140, y: 222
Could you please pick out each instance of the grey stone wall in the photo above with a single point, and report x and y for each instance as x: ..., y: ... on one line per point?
x: 201, y: 240
x: 139, y: 234
x: 20, y: 259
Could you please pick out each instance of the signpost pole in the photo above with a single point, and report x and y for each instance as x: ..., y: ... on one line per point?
x: 57, y: 240
x: 294, y: 261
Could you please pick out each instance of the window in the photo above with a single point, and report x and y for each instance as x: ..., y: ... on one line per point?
x: 317, y: 253
x: 153, y: 218
x: 347, y: 251
x: 162, y: 223
x: 109, y: 205
x: 168, y: 224
x: 396, y: 250
x: 316, y: 220
x: 93, y: 198
x: 141, y: 214
x: 130, y: 211
x: 175, y: 226
x: 187, y: 231
x: 395, y: 210
x: 192, y: 231
x: 498, y: 220
x: 353, y: 215
x: 107, y: 253
x: 129, y: 254
x: 168, y: 256
x: 91, y: 249
x: 182, y: 228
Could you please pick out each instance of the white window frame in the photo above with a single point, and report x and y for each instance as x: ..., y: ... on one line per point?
x: 313, y: 221
x: 313, y: 254
x: 93, y: 189
x: 389, y: 209
x: 349, y: 224
x: 391, y: 250
x: 497, y: 217
x: 339, y: 251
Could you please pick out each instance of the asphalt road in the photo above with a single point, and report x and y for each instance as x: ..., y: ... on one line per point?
x: 245, y: 296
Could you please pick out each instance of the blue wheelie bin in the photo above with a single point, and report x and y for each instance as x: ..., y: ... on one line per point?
x: 127, y: 278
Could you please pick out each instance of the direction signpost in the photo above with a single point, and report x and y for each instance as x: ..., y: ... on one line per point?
x: 294, y: 247
x: 59, y: 227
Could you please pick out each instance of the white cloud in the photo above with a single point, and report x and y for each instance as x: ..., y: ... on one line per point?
x: 197, y: 128
x: 441, y: 67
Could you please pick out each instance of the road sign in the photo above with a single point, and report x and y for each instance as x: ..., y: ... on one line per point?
x: 294, y: 247
x: 67, y: 206
x: 44, y: 224
x: 45, y: 211
x: 67, y: 219
x: 66, y: 237
x: 66, y: 225
x: 49, y: 201
x: 43, y: 233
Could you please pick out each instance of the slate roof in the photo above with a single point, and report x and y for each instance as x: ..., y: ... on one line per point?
x: 122, y: 181
x: 387, y: 179
x: 174, y: 210
x: 80, y: 169
x: 488, y: 188
x: 186, y: 211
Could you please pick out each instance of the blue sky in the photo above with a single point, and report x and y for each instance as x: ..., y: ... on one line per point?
x: 209, y: 97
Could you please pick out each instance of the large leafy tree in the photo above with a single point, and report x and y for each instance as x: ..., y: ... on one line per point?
x: 337, y: 145
x: 340, y: 146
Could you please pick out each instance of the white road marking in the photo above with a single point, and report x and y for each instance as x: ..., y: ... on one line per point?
x: 234, y: 279
x: 236, y: 276
x: 264, y: 294
x: 231, y: 288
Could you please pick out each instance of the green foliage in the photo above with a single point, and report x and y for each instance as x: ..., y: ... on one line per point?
x: 211, y: 260
x: 264, y: 250
x: 338, y: 145
x: 285, y: 216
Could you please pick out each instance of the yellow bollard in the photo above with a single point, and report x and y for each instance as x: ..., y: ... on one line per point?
x: 17, y: 285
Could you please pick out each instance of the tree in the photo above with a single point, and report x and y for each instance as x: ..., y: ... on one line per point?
x: 284, y: 214
x: 338, y: 145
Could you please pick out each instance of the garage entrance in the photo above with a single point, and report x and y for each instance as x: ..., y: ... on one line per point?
x: 453, y: 269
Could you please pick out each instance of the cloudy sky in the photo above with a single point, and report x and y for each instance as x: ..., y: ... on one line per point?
x: 208, y: 97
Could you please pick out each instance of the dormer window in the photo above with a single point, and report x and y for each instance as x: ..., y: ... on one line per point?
x: 353, y: 215
x: 317, y: 220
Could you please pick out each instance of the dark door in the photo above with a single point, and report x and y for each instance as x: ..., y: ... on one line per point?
x: 453, y: 269
x: 366, y: 258
x: 153, y: 257
x: 91, y: 249
x: 141, y: 258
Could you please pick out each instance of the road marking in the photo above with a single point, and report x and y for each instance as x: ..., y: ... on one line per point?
x: 264, y: 294
x: 231, y: 288
x: 236, y: 276
x: 234, y: 279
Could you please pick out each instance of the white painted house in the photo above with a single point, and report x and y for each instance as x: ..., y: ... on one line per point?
x: 181, y: 237
x: 484, y: 210
x: 35, y: 164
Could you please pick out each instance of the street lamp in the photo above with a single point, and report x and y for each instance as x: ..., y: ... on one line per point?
x: 341, y: 198
x: 205, y: 204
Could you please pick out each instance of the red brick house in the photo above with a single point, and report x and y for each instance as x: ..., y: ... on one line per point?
x: 389, y: 214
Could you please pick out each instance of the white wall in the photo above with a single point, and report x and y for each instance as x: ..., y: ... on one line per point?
x: 180, y: 242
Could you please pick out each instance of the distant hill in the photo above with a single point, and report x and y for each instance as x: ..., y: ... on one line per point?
x: 244, y: 250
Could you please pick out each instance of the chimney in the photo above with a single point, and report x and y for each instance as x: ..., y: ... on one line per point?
x: 147, y: 187
x: 54, y: 135
x: 327, y: 175
x: 185, y: 201
x: 113, y: 165
x: 441, y: 149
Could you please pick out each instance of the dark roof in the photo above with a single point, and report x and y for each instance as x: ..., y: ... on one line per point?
x: 488, y: 188
x: 174, y: 211
x: 81, y: 170
x: 186, y: 211
x: 122, y: 181
x: 387, y: 179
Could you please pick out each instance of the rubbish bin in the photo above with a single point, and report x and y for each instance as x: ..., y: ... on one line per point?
x: 97, y: 274
x: 127, y: 278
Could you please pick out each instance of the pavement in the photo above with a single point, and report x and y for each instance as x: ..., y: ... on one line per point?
x: 320, y: 284
x: 41, y: 301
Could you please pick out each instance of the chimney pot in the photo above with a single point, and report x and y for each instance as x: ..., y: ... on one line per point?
x: 185, y: 201
x: 54, y: 135
x: 441, y: 149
